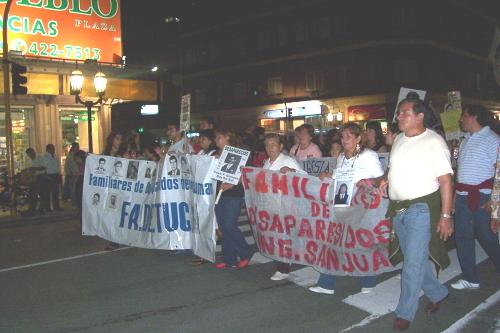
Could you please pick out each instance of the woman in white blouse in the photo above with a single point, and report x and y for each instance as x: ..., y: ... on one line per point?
x: 278, y: 161
x: 366, y: 165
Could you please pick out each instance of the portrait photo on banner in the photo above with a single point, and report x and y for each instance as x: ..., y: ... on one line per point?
x: 343, y: 192
x: 133, y: 170
x: 118, y: 169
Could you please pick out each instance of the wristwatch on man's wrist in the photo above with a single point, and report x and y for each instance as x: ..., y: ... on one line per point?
x: 446, y: 216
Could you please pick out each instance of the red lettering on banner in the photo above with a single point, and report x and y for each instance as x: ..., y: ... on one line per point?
x: 266, y: 246
x: 276, y: 226
x: 320, y: 230
x: 348, y: 266
x: 331, y: 231
x: 251, y: 215
x: 260, y: 182
x: 279, y: 183
x: 332, y: 260
x: 285, y: 248
x: 305, y: 229
x: 303, y: 186
x: 244, y: 179
x: 365, y: 266
x: 376, y: 199
x: 323, y: 191
x: 379, y: 259
x: 322, y: 257
x: 350, y: 240
x: 289, y: 223
x: 365, y: 238
x: 295, y: 186
x: 315, y: 209
x: 263, y: 220
x: 310, y: 255
x: 382, y: 230
x: 339, y: 232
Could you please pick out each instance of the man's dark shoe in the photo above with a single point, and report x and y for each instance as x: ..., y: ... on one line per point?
x: 400, y: 324
x: 433, y: 307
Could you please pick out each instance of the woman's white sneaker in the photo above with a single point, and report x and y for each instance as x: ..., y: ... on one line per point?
x: 366, y: 290
x: 464, y: 284
x: 320, y: 290
x: 278, y: 276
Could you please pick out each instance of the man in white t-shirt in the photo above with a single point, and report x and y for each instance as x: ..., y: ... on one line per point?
x: 420, y: 174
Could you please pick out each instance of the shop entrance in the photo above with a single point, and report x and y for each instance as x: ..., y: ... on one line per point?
x: 21, y: 135
x: 74, y: 123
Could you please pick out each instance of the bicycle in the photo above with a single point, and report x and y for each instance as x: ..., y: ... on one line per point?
x: 20, y: 201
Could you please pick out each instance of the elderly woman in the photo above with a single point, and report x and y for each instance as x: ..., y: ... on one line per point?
x: 278, y: 161
x: 366, y: 165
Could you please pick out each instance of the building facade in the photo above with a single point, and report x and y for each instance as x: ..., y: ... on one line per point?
x: 346, y: 59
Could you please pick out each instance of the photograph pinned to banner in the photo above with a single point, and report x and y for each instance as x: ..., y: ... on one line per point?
x: 229, y: 165
x: 185, y: 116
x: 405, y: 93
x: 344, y: 187
x: 316, y: 165
x: 384, y: 160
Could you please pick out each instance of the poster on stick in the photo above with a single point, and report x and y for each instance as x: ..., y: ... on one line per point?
x: 293, y: 220
x: 404, y: 93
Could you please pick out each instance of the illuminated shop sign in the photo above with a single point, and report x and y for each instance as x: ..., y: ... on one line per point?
x: 65, y: 29
x: 301, y: 111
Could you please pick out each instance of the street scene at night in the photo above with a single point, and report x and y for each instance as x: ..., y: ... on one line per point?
x: 250, y: 166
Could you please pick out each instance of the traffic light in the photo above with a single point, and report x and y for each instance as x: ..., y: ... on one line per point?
x: 19, y: 79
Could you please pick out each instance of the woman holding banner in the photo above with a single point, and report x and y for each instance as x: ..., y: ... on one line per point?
x: 365, y: 164
x: 306, y: 147
x: 278, y: 161
x: 227, y: 210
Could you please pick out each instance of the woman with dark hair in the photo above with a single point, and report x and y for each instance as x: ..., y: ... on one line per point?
x: 150, y: 153
x: 206, y: 140
x: 366, y: 165
x: 342, y: 196
x: 235, y: 249
x: 114, y: 146
x: 374, y: 137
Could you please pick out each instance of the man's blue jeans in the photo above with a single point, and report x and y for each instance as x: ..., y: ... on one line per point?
x: 413, y: 228
x: 328, y: 281
x: 234, y: 245
x: 470, y: 225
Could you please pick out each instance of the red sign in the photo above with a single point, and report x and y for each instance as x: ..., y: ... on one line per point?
x: 366, y: 112
x: 65, y: 29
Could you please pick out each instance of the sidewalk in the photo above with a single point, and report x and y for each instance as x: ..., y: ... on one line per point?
x: 69, y: 212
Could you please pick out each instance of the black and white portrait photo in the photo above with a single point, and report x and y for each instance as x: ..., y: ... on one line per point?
x: 117, y: 169
x: 133, y: 170
x: 174, y: 168
x: 100, y: 169
x: 231, y: 163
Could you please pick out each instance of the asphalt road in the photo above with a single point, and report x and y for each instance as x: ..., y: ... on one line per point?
x: 137, y: 290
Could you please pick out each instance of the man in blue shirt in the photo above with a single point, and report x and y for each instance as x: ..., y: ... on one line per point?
x: 476, y: 170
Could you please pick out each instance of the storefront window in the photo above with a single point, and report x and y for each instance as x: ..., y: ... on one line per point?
x: 21, y: 135
x: 74, y: 123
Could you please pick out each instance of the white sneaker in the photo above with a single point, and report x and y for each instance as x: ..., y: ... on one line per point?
x: 278, y: 276
x: 464, y: 284
x: 366, y: 290
x: 320, y: 290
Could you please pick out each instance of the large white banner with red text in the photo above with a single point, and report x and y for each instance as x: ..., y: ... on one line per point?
x: 294, y: 221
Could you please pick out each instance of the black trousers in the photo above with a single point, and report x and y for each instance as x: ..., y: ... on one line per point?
x: 50, y: 189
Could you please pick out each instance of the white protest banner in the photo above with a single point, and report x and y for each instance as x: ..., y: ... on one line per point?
x: 293, y: 221
x: 151, y: 205
x: 403, y: 93
x: 229, y: 165
x: 316, y: 165
x: 185, y: 116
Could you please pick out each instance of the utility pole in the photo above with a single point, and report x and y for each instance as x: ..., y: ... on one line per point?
x: 8, y: 119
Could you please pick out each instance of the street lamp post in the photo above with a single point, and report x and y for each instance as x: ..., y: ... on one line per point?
x: 76, y: 82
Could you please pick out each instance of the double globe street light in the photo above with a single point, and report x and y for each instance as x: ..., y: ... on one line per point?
x: 76, y: 84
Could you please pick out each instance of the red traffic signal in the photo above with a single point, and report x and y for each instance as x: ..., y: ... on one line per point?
x: 19, y: 79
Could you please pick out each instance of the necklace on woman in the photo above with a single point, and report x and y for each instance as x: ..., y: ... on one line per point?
x: 354, y: 159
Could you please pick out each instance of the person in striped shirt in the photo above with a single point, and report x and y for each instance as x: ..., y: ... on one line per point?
x: 476, y: 171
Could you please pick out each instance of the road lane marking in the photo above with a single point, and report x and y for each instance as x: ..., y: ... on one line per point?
x: 60, y: 260
x: 462, y: 322
x: 385, y: 296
